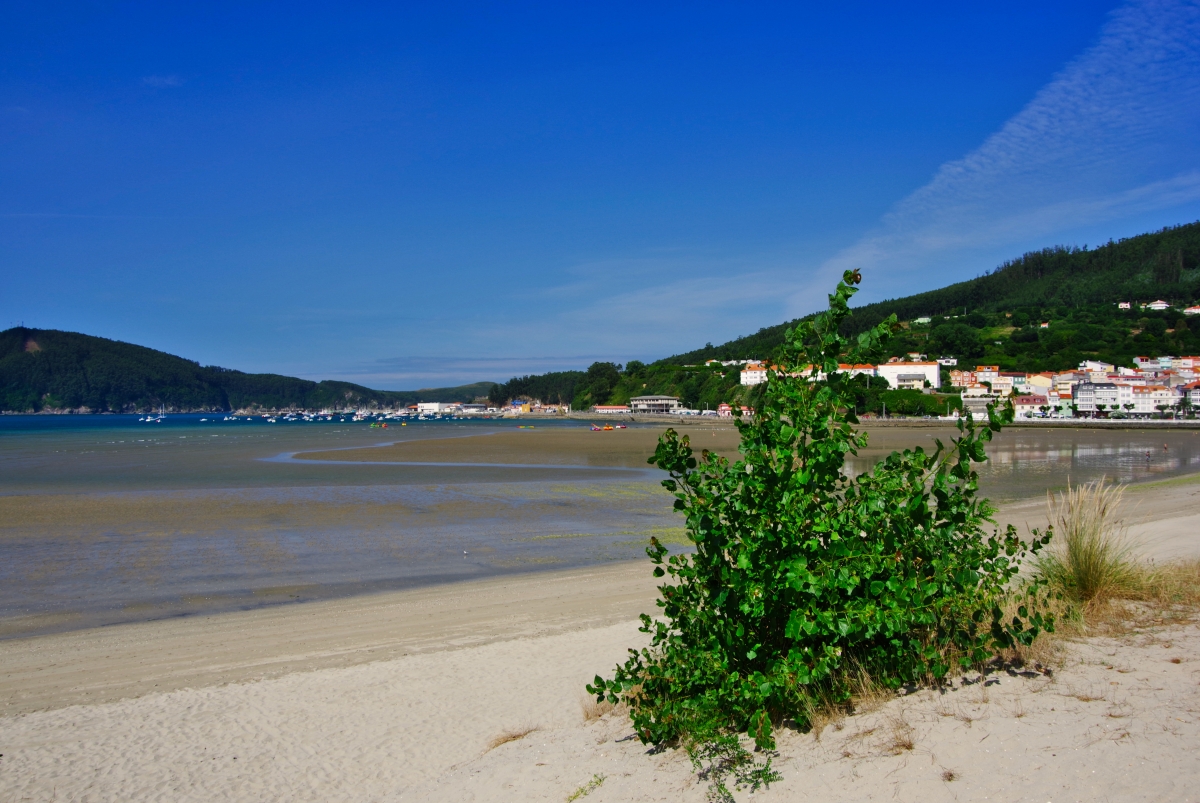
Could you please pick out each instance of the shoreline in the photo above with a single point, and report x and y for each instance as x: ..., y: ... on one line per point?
x: 1181, y: 508
x: 93, y: 664
x: 114, y: 662
x: 475, y: 692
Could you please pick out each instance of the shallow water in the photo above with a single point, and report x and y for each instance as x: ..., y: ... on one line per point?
x: 104, y: 519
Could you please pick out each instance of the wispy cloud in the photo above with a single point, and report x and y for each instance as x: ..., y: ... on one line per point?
x: 162, y: 81
x: 1113, y: 135
x: 413, y: 372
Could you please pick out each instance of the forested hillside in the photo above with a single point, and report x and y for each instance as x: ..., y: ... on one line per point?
x: 1046, y: 311
x: 45, y: 369
x: 1160, y: 265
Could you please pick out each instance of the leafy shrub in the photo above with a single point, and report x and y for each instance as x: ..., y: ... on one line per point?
x: 802, y: 577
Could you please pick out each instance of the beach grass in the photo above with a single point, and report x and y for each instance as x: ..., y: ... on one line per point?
x: 511, y: 735
x: 1103, y: 584
x: 1091, y: 560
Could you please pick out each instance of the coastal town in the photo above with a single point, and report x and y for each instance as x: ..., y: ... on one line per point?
x: 1156, y: 387
x: 1163, y: 387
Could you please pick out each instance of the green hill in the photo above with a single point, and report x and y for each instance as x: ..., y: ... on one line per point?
x: 1046, y: 311
x: 1163, y: 264
x: 45, y: 369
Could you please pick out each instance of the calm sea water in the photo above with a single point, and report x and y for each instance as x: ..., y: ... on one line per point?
x: 106, y: 519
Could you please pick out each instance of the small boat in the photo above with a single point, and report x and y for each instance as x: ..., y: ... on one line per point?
x: 608, y: 427
x: 595, y: 428
x: 621, y: 426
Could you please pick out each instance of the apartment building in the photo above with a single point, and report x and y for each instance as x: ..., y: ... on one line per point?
x: 1094, y: 397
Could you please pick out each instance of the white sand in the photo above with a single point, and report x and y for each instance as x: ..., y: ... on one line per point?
x: 396, y: 698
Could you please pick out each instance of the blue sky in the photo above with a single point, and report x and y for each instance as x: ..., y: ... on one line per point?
x: 424, y: 195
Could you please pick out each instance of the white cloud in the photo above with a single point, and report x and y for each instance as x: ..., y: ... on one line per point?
x: 1115, y: 134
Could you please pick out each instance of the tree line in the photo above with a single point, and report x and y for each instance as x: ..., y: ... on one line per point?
x: 45, y: 369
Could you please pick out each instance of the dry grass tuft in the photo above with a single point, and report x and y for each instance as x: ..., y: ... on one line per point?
x: 821, y: 715
x: 866, y: 694
x: 949, y: 775
x: 901, y: 737
x: 511, y: 735
x: 593, y: 710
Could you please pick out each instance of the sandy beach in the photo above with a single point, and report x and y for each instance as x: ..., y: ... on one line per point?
x: 398, y: 696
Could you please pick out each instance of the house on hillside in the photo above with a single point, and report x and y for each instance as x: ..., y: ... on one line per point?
x: 1157, y: 306
x: 910, y: 374
x: 962, y: 379
x: 857, y: 369
x: 754, y: 374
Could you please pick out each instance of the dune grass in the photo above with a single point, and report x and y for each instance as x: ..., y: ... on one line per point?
x: 1090, y: 559
x: 1104, y: 584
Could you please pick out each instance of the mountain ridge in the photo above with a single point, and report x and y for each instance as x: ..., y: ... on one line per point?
x: 1164, y: 264
x: 49, y: 370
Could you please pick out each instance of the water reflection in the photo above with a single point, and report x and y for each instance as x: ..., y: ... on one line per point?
x: 1027, y: 462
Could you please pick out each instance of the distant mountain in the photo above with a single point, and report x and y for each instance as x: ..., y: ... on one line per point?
x: 1163, y: 264
x: 49, y: 370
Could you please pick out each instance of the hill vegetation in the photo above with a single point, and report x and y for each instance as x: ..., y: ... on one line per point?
x: 1046, y: 311
x: 49, y: 370
x: 1160, y: 265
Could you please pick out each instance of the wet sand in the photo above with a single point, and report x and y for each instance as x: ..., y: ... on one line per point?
x: 121, y: 526
x: 396, y: 697
x: 576, y: 446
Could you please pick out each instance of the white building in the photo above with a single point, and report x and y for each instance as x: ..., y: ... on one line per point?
x: 1191, y: 311
x: 910, y: 374
x: 976, y: 398
x: 654, y: 404
x: 754, y: 374
x: 1193, y: 394
x: 858, y: 369
x: 436, y: 407
x: 1158, y: 306
x: 1145, y: 399
x: 611, y: 409
x: 1030, y: 406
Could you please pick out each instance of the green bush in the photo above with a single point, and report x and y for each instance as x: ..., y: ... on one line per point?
x: 802, y: 577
